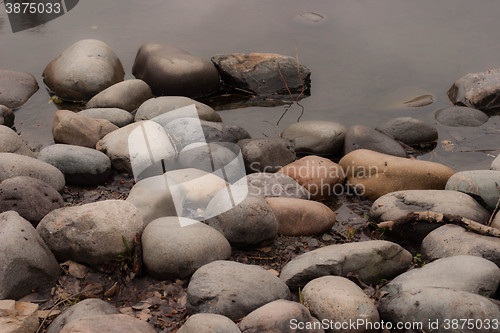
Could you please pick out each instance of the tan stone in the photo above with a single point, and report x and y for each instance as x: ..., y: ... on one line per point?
x: 301, y: 217
x: 18, y: 317
x: 320, y: 176
x: 108, y: 324
x: 374, y: 174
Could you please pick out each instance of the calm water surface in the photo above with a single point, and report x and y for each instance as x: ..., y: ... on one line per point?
x: 366, y: 56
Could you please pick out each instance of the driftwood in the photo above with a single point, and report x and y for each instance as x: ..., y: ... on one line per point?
x: 433, y: 217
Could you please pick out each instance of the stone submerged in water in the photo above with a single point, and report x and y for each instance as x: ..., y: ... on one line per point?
x: 11, y: 142
x: 6, y: 116
x: 316, y: 137
x: 208, y: 322
x: 409, y: 130
x: 127, y: 95
x: 260, y: 73
x: 115, y: 116
x: 83, y: 70
x: 481, y: 184
x: 266, y: 154
x: 16, y: 88
x: 175, y: 72
x: 362, y: 137
x: 477, y: 90
x: 458, y: 116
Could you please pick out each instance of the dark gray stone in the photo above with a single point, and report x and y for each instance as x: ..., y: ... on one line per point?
x: 268, y: 185
x: 115, y: 116
x: 208, y: 323
x: 80, y: 165
x: 477, y: 90
x: 10, y: 142
x: 316, y: 137
x: 409, y: 130
x: 232, y: 289
x: 260, y: 72
x: 6, y: 116
x: 26, y: 263
x: 83, y: 70
x: 126, y: 95
x: 362, y: 137
x: 30, y: 197
x: 16, y: 88
x: 266, y: 154
x: 174, y: 72
x: 222, y: 132
x: 480, y: 184
x: 458, y: 116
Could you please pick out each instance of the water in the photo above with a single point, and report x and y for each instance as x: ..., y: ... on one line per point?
x: 366, y: 56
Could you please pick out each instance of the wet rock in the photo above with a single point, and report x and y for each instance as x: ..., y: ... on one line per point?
x: 223, y: 132
x: 18, y: 317
x: 161, y: 108
x: 232, y: 289
x: 83, y: 70
x: 16, y: 88
x: 126, y: 95
x: 340, y: 300
x: 458, y: 116
x: 437, y: 305
x: 74, y: 129
x: 26, y: 263
x: 316, y: 137
x: 87, y: 308
x: 362, y: 137
x: 108, y: 324
x: 209, y: 323
x: 420, y: 101
x: 115, y: 116
x: 188, y: 245
x: 10, y: 142
x: 374, y: 174
x: 266, y: 154
x: 452, y: 240
x: 467, y: 273
x: 477, y: 90
x: 91, y: 234
x: 270, y: 185
x: 260, y: 72
x: 80, y: 165
x: 495, y: 165
x: 278, y: 316
x: 6, y: 116
x: 298, y: 217
x: 480, y: 184
x: 409, y: 130
x: 370, y: 261
x: 30, y: 197
x: 13, y: 165
x: 320, y: 176
x: 175, y: 72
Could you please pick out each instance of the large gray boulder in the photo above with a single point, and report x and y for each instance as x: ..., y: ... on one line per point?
x: 115, y: 116
x: 409, y: 130
x: 266, y: 154
x: 16, y: 88
x: 458, y: 116
x: 127, y: 95
x: 6, y: 116
x: 232, y: 289
x: 10, y: 142
x: 83, y: 70
x: 362, y: 137
x: 208, y: 323
x: 481, y: 184
x: 175, y: 72
x: 477, y: 90
x: 26, y: 263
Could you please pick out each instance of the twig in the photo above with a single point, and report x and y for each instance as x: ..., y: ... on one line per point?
x: 53, y: 307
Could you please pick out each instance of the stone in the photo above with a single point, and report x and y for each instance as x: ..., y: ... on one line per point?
x: 30, y: 197
x: 297, y: 217
x: 467, y: 273
x: 340, y: 300
x: 320, y: 176
x: 452, y: 240
x: 496, y: 221
x: 438, y: 305
x: 18, y: 317
x: 126, y: 95
x: 13, y: 165
x: 83, y: 70
x: 175, y: 247
x: 209, y: 323
x: 232, y: 289
x: 495, y: 165
x: 223, y: 132
x: 480, y: 184
x: 374, y: 174
x: 270, y: 185
x: 74, y: 129
x: 88, y: 308
x: 117, y: 117
x: 459, y: 116
x: 261, y: 73
x: 266, y: 154
x: 409, y: 130
x: 26, y: 262
x: 16, y: 88
x: 10, y: 142
x: 174, y: 72
x: 161, y: 107
x: 91, y: 234
x: 6, y: 116
x: 362, y: 137
x: 80, y: 165
x: 249, y: 223
x: 420, y: 101
x: 316, y: 137
x: 477, y: 90
x: 279, y: 316
x: 108, y: 324
x: 370, y: 261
